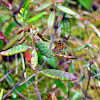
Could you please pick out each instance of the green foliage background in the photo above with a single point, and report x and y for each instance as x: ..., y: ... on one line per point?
x: 77, y: 30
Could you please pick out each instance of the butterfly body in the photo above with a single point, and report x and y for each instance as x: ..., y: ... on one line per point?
x: 58, y: 47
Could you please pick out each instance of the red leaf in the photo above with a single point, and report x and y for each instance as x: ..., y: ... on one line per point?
x: 25, y: 29
x: 42, y: 37
x: 2, y: 37
x: 28, y: 55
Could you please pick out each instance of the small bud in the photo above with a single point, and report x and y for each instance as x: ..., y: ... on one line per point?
x: 67, y: 36
x: 21, y: 11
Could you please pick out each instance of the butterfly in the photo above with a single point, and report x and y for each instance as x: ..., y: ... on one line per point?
x: 58, y: 47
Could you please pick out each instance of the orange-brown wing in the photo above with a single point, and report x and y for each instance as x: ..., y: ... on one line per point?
x: 58, y: 47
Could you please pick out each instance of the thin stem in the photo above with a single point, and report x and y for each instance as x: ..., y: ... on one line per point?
x: 36, y: 85
x: 6, y: 75
x: 33, y: 74
x: 14, y: 14
x: 43, y: 61
x: 16, y: 69
x: 13, y: 87
x: 87, y: 85
x: 23, y: 63
x: 96, y: 88
x: 88, y: 81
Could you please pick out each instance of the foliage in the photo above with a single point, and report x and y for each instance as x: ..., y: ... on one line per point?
x: 1, y: 94
x: 49, y: 49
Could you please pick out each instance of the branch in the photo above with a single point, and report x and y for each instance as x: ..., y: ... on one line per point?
x: 56, y: 27
x: 14, y: 87
x: 14, y: 14
x: 19, y: 84
x: 6, y: 20
x: 88, y: 81
x: 36, y: 85
x: 96, y: 88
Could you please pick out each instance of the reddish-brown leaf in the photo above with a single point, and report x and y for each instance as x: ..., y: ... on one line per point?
x: 2, y: 37
x: 28, y: 55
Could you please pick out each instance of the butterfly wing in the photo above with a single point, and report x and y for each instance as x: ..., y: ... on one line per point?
x: 58, y: 47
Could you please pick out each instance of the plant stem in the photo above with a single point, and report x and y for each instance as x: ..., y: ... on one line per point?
x: 36, y: 85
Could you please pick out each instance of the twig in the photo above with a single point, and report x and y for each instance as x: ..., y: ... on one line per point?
x: 6, y: 75
x: 88, y: 82
x: 23, y: 63
x: 16, y: 20
x: 43, y: 61
x: 13, y: 87
x: 96, y: 88
x: 14, y: 14
x: 6, y: 20
x: 36, y: 85
x: 9, y: 72
x: 33, y: 74
x: 56, y: 27
x: 19, y: 84
x: 21, y: 95
x: 11, y: 84
x: 16, y: 69
x: 87, y: 31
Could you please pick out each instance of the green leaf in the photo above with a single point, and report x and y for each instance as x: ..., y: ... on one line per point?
x: 36, y: 17
x: 11, y: 42
x: 1, y: 45
x: 52, y: 62
x: 41, y: 45
x: 51, y: 20
x: 43, y: 6
x: 25, y: 2
x: 70, y: 85
x: 41, y: 58
x: 88, y: 44
x: 15, y: 50
x: 34, y: 59
x: 82, y: 78
x: 3, y: 18
x: 26, y: 6
x: 70, y: 69
x: 68, y: 11
x: 86, y: 3
x: 91, y: 52
x: 58, y: 74
x: 1, y: 94
x: 66, y: 27
x: 80, y: 48
x: 61, y: 85
x: 9, y: 28
x: 77, y: 95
